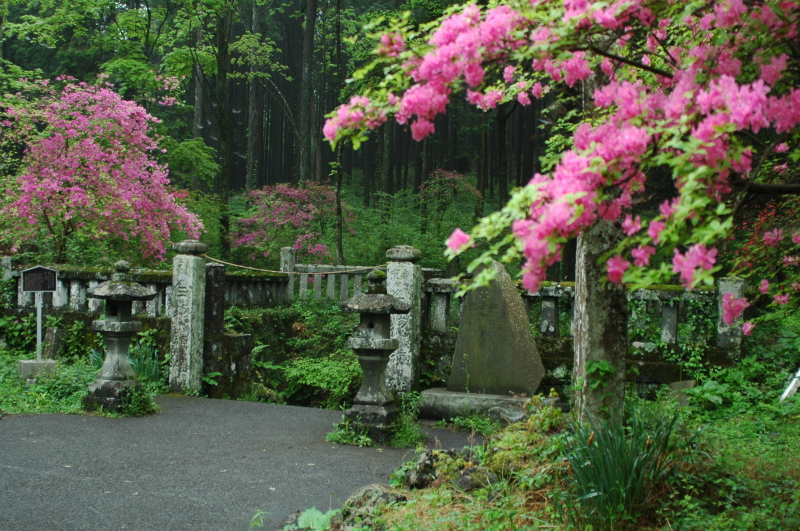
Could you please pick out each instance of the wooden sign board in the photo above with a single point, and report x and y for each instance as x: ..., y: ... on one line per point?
x: 39, y: 279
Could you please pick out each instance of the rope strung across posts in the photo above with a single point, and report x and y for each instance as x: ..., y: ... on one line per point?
x: 338, y: 271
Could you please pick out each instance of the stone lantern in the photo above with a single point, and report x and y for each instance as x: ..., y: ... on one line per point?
x: 373, y: 408
x: 116, y: 376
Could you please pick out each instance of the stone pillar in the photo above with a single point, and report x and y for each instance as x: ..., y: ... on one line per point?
x: 550, y: 324
x: 600, y: 328
x: 188, y: 316
x: 669, y: 323
x: 729, y: 336
x: 288, y: 258
x: 404, y: 282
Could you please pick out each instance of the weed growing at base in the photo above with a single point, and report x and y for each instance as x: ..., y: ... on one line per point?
x: 405, y: 431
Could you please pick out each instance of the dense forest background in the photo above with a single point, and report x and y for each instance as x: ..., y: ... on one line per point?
x: 242, y: 88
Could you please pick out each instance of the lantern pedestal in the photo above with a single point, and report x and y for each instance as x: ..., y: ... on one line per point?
x: 116, y: 378
x: 373, y: 408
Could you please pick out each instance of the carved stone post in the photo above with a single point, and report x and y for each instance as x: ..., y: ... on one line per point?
x: 188, y: 317
x: 404, y: 282
x: 600, y: 328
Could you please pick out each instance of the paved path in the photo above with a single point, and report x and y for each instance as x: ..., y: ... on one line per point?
x: 201, y: 464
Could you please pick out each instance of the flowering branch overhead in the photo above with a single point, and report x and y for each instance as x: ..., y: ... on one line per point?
x: 687, y: 86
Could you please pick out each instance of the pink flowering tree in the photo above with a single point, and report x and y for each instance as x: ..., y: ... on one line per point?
x: 287, y: 216
x: 79, y: 162
x: 706, y: 90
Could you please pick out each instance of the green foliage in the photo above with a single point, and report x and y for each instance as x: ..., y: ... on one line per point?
x: 696, y: 338
x: 327, y: 382
x: 138, y: 401
x: 474, y: 423
x: 61, y: 391
x: 314, y: 520
x: 8, y: 293
x: 19, y: 331
x: 400, y: 222
x: 406, y: 432
x: 616, y: 466
x: 192, y: 163
x: 150, y: 369
x: 300, y: 356
x: 345, y: 432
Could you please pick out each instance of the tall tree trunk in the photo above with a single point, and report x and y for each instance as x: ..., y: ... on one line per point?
x: 386, y: 154
x: 502, y: 155
x: 2, y: 32
x: 255, y: 121
x: 305, y: 118
x: 600, y: 328
x: 482, y: 166
x: 224, y: 121
x: 199, y: 90
x: 339, y: 215
x: 368, y: 165
x: 426, y: 169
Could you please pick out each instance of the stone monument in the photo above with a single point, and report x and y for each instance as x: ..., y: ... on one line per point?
x: 495, y: 354
x: 116, y: 377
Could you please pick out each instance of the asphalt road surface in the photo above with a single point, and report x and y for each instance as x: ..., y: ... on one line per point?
x: 200, y: 464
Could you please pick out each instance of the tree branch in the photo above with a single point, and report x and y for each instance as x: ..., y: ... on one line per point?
x: 628, y: 62
x: 767, y: 189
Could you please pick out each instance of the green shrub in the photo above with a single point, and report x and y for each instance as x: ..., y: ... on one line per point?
x: 300, y: 356
x: 617, y: 466
x: 19, y: 331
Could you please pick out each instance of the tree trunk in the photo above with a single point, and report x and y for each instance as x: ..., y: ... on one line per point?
x: 600, y: 329
x: 502, y: 155
x: 339, y: 215
x: 254, y: 105
x: 199, y: 90
x: 385, y: 175
x: 224, y: 121
x: 305, y: 118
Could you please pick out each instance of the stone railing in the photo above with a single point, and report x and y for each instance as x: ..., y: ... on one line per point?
x: 322, y: 281
x: 553, y: 298
x: 241, y: 288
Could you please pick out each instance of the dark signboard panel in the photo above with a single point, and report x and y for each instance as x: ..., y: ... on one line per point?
x: 39, y: 279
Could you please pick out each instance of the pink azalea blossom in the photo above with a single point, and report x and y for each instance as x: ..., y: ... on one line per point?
x: 732, y: 307
x: 747, y: 328
x: 458, y: 240
x: 616, y: 268
x: 642, y: 255
x: 780, y: 300
x: 772, y: 238
x: 764, y: 286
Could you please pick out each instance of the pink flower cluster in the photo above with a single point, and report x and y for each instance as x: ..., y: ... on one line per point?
x: 358, y: 112
x: 691, y: 106
x: 284, y: 215
x: 92, y: 171
x: 732, y: 307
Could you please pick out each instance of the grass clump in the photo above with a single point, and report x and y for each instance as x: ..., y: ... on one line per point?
x: 405, y: 432
x: 656, y: 469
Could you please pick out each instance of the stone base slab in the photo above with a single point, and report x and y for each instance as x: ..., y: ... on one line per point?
x: 30, y: 369
x: 376, y: 420
x: 107, y: 394
x: 440, y: 403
